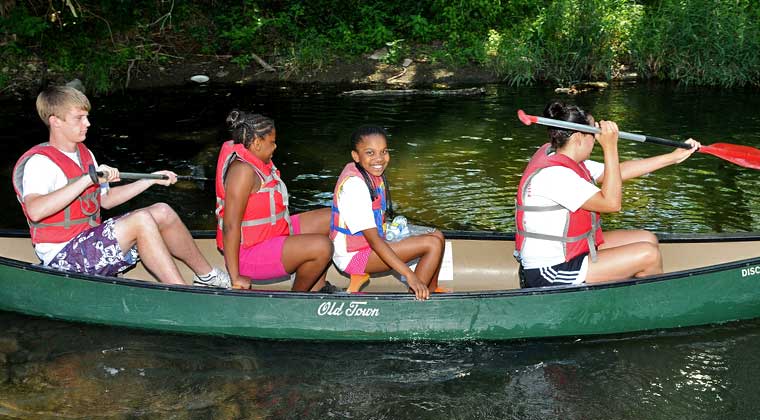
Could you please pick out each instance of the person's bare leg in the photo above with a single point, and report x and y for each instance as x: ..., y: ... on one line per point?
x: 140, y: 228
x: 321, y: 282
x: 317, y: 222
x: 637, y: 259
x: 178, y: 239
x: 428, y: 248
x: 433, y: 286
x: 616, y: 238
x: 308, y: 255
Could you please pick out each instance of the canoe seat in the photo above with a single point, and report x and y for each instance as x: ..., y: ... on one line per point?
x: 475, y: 265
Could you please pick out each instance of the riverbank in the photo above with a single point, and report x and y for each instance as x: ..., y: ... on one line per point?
x: 116, y: 45
x: 28, y: 78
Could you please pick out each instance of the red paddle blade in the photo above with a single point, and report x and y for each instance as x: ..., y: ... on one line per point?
x: 745, y: 156
x: 525, y: 118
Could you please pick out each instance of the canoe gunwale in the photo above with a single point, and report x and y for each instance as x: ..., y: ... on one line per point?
x: 503, y: 236
x: 507, y: 236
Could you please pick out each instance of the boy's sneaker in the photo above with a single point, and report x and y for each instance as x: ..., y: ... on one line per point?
x: 216, y: 278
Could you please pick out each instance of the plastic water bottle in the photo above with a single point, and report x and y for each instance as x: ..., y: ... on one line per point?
x: 397, y: 229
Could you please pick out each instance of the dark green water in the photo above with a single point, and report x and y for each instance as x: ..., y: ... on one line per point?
x: 455, y: 164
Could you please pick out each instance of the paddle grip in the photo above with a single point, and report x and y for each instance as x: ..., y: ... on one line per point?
x: 93, y: 174
x: 666, y: 142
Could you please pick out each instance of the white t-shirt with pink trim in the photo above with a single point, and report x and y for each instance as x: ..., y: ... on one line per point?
x: 355, y: 206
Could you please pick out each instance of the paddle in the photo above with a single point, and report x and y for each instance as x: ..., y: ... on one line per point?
x: 744, y: 156
x: 134, y: 175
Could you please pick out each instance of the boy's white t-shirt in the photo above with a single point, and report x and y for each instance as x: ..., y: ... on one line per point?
x: 355, y: 206
x: 551, y: 186
x: 42, y: 176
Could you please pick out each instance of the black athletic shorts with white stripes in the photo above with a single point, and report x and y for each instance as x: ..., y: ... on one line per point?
x: 556, y: 275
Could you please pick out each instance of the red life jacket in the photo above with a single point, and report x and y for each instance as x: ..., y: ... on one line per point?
x: 583, y: 234
x: 266, y: 211
x: 357, y: 241
x: 81, y: 214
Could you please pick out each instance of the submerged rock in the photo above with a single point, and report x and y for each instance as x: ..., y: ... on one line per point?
x: 8, y: 345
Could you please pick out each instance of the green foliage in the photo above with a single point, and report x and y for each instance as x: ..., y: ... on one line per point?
x: 22, y: 25
x: 512, y: 56
x: 521, y: 41
x: 584, y: 39
x: 700, y: 42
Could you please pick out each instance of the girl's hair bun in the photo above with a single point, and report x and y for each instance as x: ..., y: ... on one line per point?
x: 555, y: 110
x: 235, y: 118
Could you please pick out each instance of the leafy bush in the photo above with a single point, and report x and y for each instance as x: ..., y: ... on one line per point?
x: 700, y: 42
x: 522, y: 41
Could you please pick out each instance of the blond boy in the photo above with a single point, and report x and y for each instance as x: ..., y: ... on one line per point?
x: 62, y: 202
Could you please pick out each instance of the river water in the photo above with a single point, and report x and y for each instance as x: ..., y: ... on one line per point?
x: 455, y: 164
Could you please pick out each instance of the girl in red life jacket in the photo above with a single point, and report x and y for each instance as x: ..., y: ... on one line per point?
x: 559, y: 238
x: 259, y: 237
x: 360, y: 202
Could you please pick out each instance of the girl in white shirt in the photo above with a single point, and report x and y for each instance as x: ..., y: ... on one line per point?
x: 360, y: 203
x: 560, y: 192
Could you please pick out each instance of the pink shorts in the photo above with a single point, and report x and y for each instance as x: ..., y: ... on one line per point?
x: 358, y: 263
x: 264, y: 261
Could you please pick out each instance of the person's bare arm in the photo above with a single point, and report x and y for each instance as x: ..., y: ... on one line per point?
x: 123, y: 193
x: 609, y: 198
x: 240, y: 183
x: 389, y: 257
x: 40, y: 206
x: 635, y: 168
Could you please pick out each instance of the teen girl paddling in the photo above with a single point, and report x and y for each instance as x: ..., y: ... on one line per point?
x: 259, y: 237
x: 559, y: 239
x: 359, y: 206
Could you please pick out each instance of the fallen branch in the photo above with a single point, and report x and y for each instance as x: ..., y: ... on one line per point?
x: 403, y: 72
x: 129, y: 71
x: 262, y: 63
x: 404, y: 92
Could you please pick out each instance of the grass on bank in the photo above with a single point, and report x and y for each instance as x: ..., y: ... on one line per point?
x: 104, y: 43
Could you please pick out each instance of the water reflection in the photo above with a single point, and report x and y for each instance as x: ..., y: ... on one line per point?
x: 65, y: 370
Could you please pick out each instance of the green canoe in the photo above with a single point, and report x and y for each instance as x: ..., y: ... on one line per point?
x: 710, y: 279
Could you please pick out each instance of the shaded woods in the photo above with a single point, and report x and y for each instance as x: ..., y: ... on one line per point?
x: 108, y: 42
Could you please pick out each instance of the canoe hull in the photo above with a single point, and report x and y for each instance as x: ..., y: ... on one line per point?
x: 717, y: 294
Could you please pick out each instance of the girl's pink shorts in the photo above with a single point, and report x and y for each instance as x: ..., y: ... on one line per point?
x: 264, y: 261
x: 358, y: 263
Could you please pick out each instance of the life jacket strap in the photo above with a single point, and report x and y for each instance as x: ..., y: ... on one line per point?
x: 590, y: 236
x: 539, y: 208
x: 91, y: 220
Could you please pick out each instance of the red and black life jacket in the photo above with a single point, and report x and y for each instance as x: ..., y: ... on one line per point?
x: 583, y: 228
x: 266, y: 211
x: 357, y: 241
x: 80, y: 215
